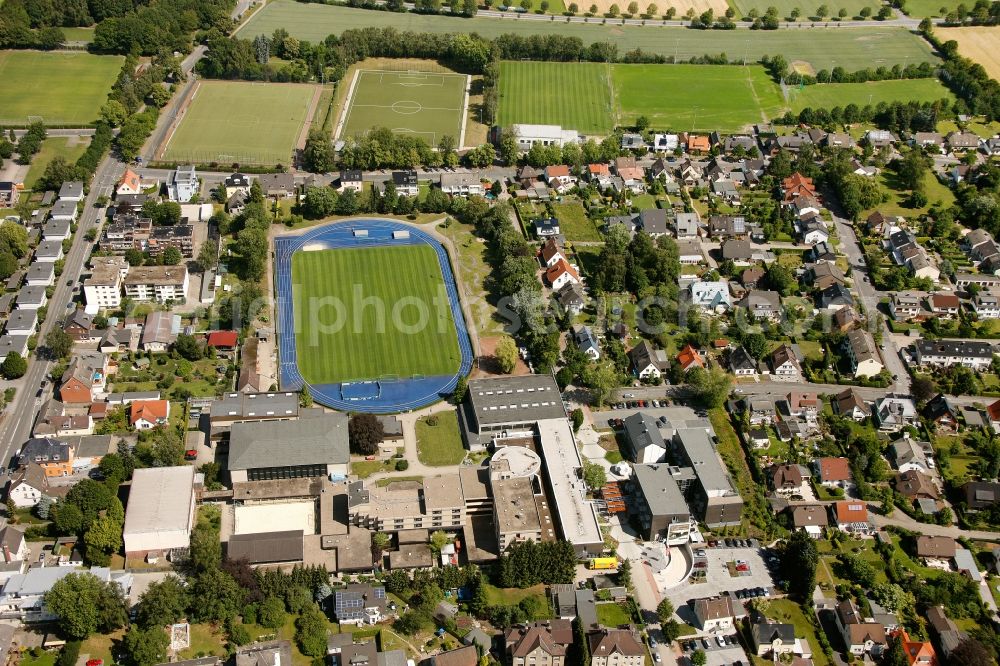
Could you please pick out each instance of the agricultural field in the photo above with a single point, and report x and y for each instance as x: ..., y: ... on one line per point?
x: 407, y: 330
x: 224, y: 118
x: 576, y: 95
x: 426, y: 104
x: 68, y: 147
x: 979, y: 44
x: 696, y: 97
x: 829, y: 95
x: 59, y: 88
x: 852, y: 49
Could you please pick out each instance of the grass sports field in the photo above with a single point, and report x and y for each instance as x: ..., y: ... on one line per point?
x: 427, y: 104
x: 62, y: 88
x: 979, y: 44
x: 249, y: 123
x: 696, y: 97
x: 677, y: 97
x: 852, y: 49
x: 576, y: 95
x: 406, y: 279
x: 841, y: 94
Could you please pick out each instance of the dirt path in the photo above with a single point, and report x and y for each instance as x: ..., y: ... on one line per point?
x: 175, y: 115
x: 310, y: 118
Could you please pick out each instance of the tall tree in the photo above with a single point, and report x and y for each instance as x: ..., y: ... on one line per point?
x: 84, y: 605
x: 365, y: 433
x: 163, y: 602
x: 506, y: 354
x: 798, y: 563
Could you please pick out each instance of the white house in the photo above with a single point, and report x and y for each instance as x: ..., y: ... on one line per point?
x: 648, y: 363
x: 183, y: 183
x: 64, y: 209
x: 863, y: 354
x: 717, y: 614
x: 560, y: 274
x: 986, y: 305
x: 587, y: 342
x: 547, y: 135
x: 71, y: 191
x: 713, y: 295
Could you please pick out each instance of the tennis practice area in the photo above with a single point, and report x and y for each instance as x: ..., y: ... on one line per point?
x: 56, y: 88
x: 235, y: 121
x: 425, y: 104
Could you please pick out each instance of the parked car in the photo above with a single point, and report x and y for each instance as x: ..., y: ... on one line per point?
x: 191, y: 454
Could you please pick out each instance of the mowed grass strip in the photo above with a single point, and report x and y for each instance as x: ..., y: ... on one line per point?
x: 696, y: 97
x: 250, y: 123
x: 573, y: 95
x: 829, y: 95
x: 807, y: 10
x: 427, y: 104
x: 854, y: 49
x: 406, y: 279
x: 63, y: 88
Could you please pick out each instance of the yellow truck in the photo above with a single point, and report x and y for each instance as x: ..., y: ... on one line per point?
x: 603, y: 563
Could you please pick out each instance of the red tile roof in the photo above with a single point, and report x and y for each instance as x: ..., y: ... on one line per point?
x: 851, y: 511
x: 149, y: 410
x: 834, y: 469
x: 549, y: 250
x: 557, y: 269
x: 689, y: 358
x: 223, y: 339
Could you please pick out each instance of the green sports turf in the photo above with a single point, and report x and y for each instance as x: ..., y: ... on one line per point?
x: 574, y: 95
x: 406, y: 279
x: 852, y: 49
x: 249, y: 123
x: 841, y: 94
x: 63, y: 88
x: 426, y: 104
x: 696, y: 97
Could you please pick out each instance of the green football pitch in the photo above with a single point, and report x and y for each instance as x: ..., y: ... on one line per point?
x: 371, y: 313
x: 573, y: 95
x: 426, y: 104
x: 59, y: 88
x: 676, y: 97
x: 249, y: 123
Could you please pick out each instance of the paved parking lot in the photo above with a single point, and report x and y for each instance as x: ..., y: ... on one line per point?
x: 718, y: 579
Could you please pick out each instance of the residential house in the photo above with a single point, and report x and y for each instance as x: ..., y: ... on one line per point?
x: 773, y: 639
x: 823, y: 251
x: 880, y: 138
x: 551, y: 253
x: 835, y: 297
x: 644, y: 440
x: 762, y: 304
x: 13, y: 546
x: 986, y: 305
x: 711, y: 295
x: 157, y: 283
x: 689, y: 252
x: 49, y: 251
x: 698, y: 144
x: 904, y: 305
x: 559, y: 178
x: 852, y: 516
x: 40, y: 274
x: 862, y: 354
x: 784, y: 363
x: 539, y: 644
x: 148, y: 414
x: 813, y: 232
x: 615, y: 647
x: 129, y: 183
x: 587, y: 342
x: 788, y: 479
x: 936, y: 550
x: 572, y: 299
x: 160, y: 331
x: 960, y: 142
x: 30, y: 484
x: 84, y: 378
x: 860, y: 637
x: 761, y: 411
x: 654, y: 222
x: 647, y: 362
x: 53, y: 456
x: 717, y: 614
x: 943, y: 413
x: 633, y: 176
x: 944, y: 306
x: 973, y: 354
x: 751, y: 277
x: 892, y: 413
x: 811, y: 518
x: 850, y: 405
x: 58, y: 228
x: 948, y: 633
x: 237, y: 182
x: 666, y: 143
x: 560, y: 274
x: 916, y: 485
x: 741, y: 363
x: 980, y: 495
x: 72, y: 190
x: 686, y: 225
x: 797, y: 185
x: 183, y: 184
x: 689, y: 358
x: 802, y: 404
x: 546, y: 227
x: 928, y: 139
x: 759, y: 438
x: 737, y: 251
x: 22, y: 322
x: 79, y: 325
x: 838, y: 140
x: 31, y: 297
x: 461, y: 184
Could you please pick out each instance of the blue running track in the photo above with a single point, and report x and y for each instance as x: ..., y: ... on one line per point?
x: 396, y: 395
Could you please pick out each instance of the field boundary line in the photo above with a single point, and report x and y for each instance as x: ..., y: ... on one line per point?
x: 310, y: 117
x: 465, y: 111
x: 347, y: 104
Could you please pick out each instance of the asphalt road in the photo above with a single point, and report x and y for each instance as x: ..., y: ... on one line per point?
x: 20, y: 414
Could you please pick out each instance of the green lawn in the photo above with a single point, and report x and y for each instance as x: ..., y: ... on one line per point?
x: 69, y: 147
x: 935, y: 189
x: 79, y: 34
x: 852, y: 49
x: 425, y: 104
x: 236, y: 121
x: 922, y: 8
x: 440, y: 444
x: 829, y: 95
x: 612, y: 615
x: 576, y: 95
x: 63, y: 88
x: 574, y: 223
x: 696, y: 97
x: 367, y: 313
x: 786, y: 610
x: 510, y: 596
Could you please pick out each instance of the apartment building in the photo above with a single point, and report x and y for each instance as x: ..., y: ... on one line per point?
x: 157, y: 283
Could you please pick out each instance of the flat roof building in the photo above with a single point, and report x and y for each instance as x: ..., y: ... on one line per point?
x: 515, y: 512
x: 716, y: 500
x: 577, y: 515
x: 272, y: 548
x: 437, y: 504
x: 160, y: 511
x: 661, y: 506
x: 289, y: 449
x: 508, y: 404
